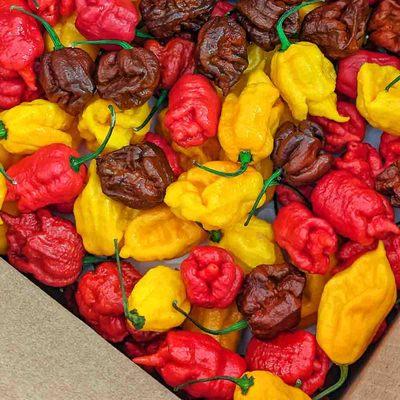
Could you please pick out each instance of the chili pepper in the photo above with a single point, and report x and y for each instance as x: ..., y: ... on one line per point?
x: 211, y: 277
x: 22, y: 44
x: 292, y: 356
x: 45, y: 246
x: 349, y: 67
x: 354, y: 210
x: 99, y: 299
x: 304, y: 77
x: 221, y: 8
x: 388, y: 183
x: 54, y: 174
x: 107, y: 19
x: 339, y: 134
x: 194, y: 110
x: 309, y: 241
x: 28, y: 127
x: 52, y: 10
x: 389, y: 148
x: 176, y: 58
x: 287, y: 194
x: 157, y: 234
x: 378, y: 97
x: 99, y: 219
x: 191, y: 355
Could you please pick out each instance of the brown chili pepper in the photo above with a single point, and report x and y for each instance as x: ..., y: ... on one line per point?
x: 259, y: 19
x: 298, y: 151
x: 388, y: 183
x: 221, y: 51
x: 270, y: 299
x: 338, y: 28
x: 136, y: 175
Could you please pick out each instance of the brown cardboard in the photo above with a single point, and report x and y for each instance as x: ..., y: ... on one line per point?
x: 47, y: 353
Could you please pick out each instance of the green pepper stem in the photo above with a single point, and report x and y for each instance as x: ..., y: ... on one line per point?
x: 3, y: 131
x: 344, y: 372
x: 94, y: 260
x: 215, y: 236
x: 7, y: 177
x: 36, y: 3
x: 160, y: 101
x: 391, y: 84
x: 273, y: 180
x: 285, y: 43
x: 76, y: 162
x: 245, y: 158
x: 245, y: 382
x: 121, y: 43
x: 143, y: 35
x: 237, y: 326
x: 52, y: 33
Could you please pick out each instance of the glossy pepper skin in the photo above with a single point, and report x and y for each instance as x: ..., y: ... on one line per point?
x: 193, y: 112
x: 186, y: 356
x: 45, y: 246
x: 291, y: 356
x: 211, y: 277
x: 99, y: 299
x: 52, y: 10
x: 349, y: 67
x: 389, y: 148
x: 367, y: 286
x: 308, y: 240
x: 352, y: 208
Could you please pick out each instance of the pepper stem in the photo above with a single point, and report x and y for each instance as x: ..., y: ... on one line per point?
x: 237, y: 326
x: 143, y: 35
x: 52, y: 33
x: 76, y: 162
x: 7, y: 177
x: 121, y: 43
x: 94, y: 260
x: 285, y: 43
x: 36, y: 3
x: 273, y: 180
x: 245, y: 382
x: 215, y: 236
x: 3, y: 131
x: 245, y: 158
x: 344, y: 372
x: 137, y: 320
x: 391, y: 84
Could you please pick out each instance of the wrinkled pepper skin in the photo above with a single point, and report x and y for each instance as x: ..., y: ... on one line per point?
x: 100, y: 219
x: 200, y: 196
x: 31, y: 126
x: 187, y: 356
x: 194, y: 110
x: 245, y: 119
x: 291, y: 356
x: 155, y: 305
x: 211, y: 277
x: 99, y: 299
x: 354, y: 210
x: 380, y: 107
x: 309, y: 241
x: 389, y: 148
x: 45, y: 246
x: 157, y: 234
x: 52, y: 10
x: 354, y: 304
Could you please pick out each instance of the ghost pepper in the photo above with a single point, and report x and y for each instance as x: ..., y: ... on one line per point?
x: 309, y: 240
x: 389, y: 148
x: 46, y: 246
x: 352, y: 208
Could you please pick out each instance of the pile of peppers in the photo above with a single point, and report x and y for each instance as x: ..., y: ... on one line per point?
x: 138, y: 132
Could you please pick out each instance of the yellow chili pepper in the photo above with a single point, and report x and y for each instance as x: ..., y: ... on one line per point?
x: 150, y: 303
x: 305, y: 78
x: 212, y: 200
x: 29, y: 126
x: 99, y: 219
x: 307, y: 9
x: 378, y: 101
x: 157, y: 234
x: 95, y: 122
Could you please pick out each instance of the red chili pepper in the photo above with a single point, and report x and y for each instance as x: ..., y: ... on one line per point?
x: 352, y: 208
x: 348, y: 69
x: 222, y: 8
x: 362, y: 160
x: 46, y: 246
x: 52, y: 175
x: 287, y: 195
x: 389, y: 148
x: 293, y: 356
x: 52, y: 10
x: 172, y: 156
x: 211, y: 277
x: 309, y: 240
x: 392, y: 247
x: 338, y: 134
x: 176, y: 58
x: 186, y: 356
x: 194, y: 110
x: 99, y: 299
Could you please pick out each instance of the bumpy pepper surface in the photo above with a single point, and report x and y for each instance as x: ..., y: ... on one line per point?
x: 52, y: 10
x: 389, y: 148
